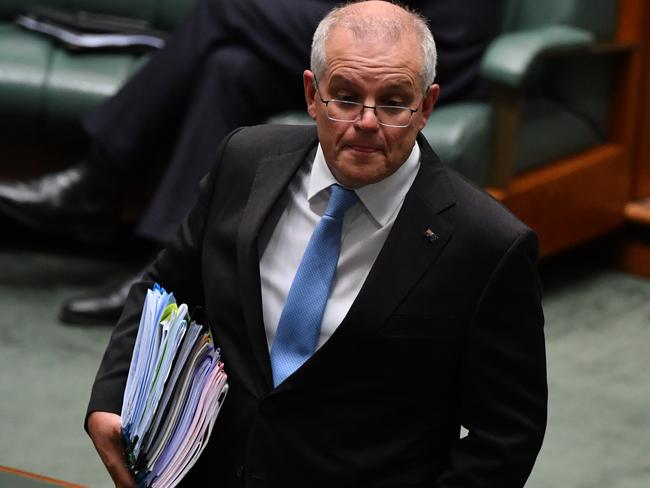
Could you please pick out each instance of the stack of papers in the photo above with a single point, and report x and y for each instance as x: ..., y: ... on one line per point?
x: 175, y: 388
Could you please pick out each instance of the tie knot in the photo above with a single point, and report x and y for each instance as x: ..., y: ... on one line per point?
x: 340, y: 201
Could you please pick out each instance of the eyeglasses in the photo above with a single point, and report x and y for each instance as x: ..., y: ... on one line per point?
x: 387, y: 115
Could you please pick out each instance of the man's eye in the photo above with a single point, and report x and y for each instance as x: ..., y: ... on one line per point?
x: 347, y: 98
x: 394, y: 103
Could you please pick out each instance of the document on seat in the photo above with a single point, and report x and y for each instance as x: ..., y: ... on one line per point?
x: 174, y: 391
x: 85, y: 30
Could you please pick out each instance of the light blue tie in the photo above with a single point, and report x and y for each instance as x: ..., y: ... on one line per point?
x: 299, y: 326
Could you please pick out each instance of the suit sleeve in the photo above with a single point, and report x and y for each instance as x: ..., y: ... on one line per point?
x: 503, y: 391
x: 178, y: 269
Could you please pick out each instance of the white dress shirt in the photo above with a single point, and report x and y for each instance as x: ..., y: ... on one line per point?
x: 365, y: 228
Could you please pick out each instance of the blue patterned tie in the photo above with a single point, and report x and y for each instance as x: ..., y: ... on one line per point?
x: 299, y: 326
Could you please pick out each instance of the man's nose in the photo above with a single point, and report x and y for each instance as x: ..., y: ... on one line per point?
x: 367, y: 119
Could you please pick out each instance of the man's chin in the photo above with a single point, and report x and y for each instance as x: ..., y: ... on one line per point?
x: 356, y: 175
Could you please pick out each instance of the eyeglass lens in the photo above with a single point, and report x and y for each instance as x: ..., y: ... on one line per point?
x: 351, y: 111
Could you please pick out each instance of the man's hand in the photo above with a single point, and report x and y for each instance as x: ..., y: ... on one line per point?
x: 106, y: 433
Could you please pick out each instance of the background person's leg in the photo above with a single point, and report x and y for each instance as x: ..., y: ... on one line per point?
x: 150, y: 106
x: 237, y: 87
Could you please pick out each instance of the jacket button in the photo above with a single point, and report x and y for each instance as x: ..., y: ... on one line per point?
x: 240, y: 471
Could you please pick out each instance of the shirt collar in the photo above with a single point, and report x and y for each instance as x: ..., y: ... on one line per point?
x: 382, y: 199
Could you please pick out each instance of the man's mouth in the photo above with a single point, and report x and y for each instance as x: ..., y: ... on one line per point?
x: 363, y: 149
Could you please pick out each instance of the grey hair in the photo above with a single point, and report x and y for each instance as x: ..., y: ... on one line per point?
x: 378, y: 28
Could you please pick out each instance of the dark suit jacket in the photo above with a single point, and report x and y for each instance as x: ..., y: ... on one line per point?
x: 447, y: 329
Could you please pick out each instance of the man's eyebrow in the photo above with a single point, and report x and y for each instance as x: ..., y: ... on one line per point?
x: 402, y: 88
x: 345, y: 82
x: 342, y: 81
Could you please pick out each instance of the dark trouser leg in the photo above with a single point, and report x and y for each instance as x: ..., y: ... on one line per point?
x: 147, y: 109
x: 237, y: 87
x: 226, y: 66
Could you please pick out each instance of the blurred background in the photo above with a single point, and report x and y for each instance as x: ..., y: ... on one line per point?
x: 548, y: 110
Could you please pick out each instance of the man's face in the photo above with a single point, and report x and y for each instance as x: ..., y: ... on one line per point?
x: 373, y: 73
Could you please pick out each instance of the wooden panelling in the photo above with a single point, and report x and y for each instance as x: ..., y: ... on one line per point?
x: 581, y: 197
x: 641, y: 151
x: 572, y: 200
x: 635, y: 257
x: 624, y: 102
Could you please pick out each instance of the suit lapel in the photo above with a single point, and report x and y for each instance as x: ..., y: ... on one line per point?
x: 273, y: 175
x: 418, y: 236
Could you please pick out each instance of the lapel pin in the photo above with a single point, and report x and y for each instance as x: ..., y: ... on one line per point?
x: 430, y: 235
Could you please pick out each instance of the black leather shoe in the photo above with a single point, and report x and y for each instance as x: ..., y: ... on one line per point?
x: 77, y: 201
x: 102, y: 307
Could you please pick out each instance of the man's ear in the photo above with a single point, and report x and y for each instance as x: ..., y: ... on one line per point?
x: 429, y: 101
x: 309, y: 85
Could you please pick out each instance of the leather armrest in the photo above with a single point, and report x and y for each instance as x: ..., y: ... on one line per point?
x: 510, y: 57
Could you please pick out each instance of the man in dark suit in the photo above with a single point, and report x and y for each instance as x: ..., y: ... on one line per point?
x: 433, y: 317
x: 230, y: 63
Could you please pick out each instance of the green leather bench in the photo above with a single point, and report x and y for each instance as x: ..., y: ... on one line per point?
x: 551, y: 90
x: 45, y: 88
